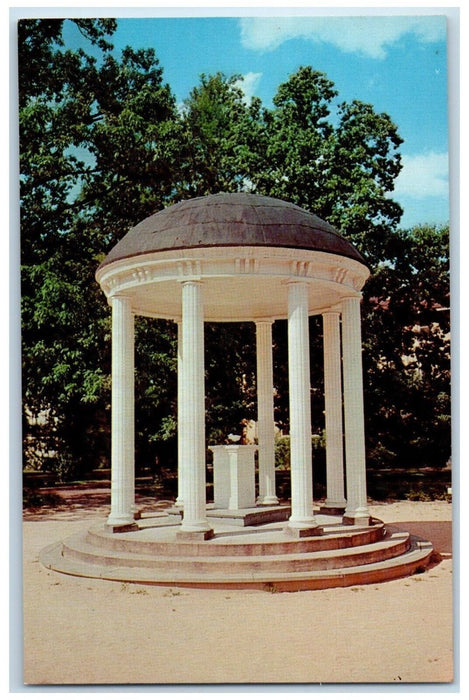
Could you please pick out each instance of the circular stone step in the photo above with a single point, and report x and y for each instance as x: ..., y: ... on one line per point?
x: 77, y: 547
x: 262, y: 558
x: 158, y: 537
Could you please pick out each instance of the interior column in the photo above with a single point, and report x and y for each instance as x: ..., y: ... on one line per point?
x: 121, y: 516
x: 356, y: 511
x: 194, y: 524
x: 265, y: 414
x: 302, y: 520
x: 179, y: 503
x: 333, y: 409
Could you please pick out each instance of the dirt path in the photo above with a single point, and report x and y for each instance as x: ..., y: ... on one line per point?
x: 80, y: 631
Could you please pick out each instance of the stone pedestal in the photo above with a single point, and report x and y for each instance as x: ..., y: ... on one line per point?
x: 194, y: 535
x: 359, y: 520
x: 298, y: 531
x: 233, y: 476
x: 130, y: 527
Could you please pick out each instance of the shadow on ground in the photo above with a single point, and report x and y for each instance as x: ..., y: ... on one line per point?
x: 438, y: 533
x: 76, y: 503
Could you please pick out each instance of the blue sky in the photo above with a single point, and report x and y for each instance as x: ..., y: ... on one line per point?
x: 398, y: 63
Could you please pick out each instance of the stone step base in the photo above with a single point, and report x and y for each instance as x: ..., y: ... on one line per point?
x: 157, y: 537
x: 244, y: 517
x: 416, y: 559
x: 78, y: 548
x: 271, y: 564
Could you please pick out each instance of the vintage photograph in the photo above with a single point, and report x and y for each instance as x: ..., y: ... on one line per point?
x: 235, y: 348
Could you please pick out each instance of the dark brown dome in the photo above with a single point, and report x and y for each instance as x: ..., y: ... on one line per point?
x: 223, y: 220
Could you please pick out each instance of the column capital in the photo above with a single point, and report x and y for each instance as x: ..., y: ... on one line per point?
x: 264, y: 321
x: 194, y: 281
x: 352, y: 295
x: 120, y: 295
x: 297, y: 282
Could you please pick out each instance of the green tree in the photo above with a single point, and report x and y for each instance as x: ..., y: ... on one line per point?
x: 58, y: 342
x: 92, y: 163
x: 133, y: 135
x: 221, y: 137
x: 406, y: 324
x: 103, y: 145
x: 338, y: 162
x: 298, y: 138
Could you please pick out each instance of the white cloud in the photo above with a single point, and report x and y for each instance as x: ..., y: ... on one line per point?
x: 248, y: 84
x: 423, y: 175
x: 369, y: 35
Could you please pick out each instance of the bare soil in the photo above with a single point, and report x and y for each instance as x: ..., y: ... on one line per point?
x: 83, y: 631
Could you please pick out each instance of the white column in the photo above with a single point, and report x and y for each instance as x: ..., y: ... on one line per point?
x: 180, y: 407
x: 333, y: 410
x: 265, y: 414
x: 122, y: 418
x: 357, y: 508
x: 194, y: 523
x: 300, y: 408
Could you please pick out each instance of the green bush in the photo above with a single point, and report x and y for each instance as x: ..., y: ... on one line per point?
x: 282, y: 452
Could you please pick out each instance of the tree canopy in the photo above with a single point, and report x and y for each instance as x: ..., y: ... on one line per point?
x: 103, y: 144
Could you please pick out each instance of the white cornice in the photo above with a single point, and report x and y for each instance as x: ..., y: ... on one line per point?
x: 200, y: 264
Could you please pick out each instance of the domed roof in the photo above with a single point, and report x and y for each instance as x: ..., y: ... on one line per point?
x: 238, y: 219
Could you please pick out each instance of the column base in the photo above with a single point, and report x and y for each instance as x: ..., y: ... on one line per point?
x: 357, y: 520
x: 124, y: 527
x: 175, y: 513
x: 332, y: 510
x: 195, y: 535
x: 335, y: 502
x: 303, y: 530
x: 267, y: 501
x: 331, y: 507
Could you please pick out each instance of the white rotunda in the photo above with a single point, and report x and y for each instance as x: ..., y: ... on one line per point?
x: 242, y: 257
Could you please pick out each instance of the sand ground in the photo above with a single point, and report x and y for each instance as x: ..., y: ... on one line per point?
x: 83, y: 631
